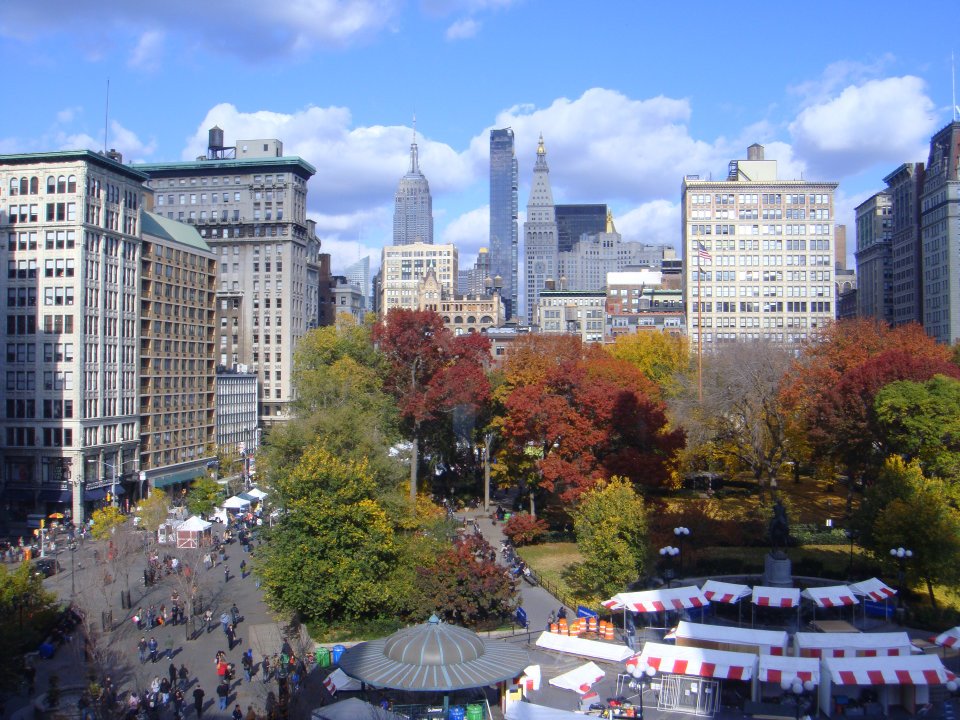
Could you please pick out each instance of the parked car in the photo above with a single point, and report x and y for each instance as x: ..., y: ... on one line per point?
x: 46, y: 566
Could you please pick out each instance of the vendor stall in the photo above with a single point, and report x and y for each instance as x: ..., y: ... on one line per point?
x: 193, y: 533
x: 871, y: 685
x: 723, y: 592
x: 650, y: 601
x: 580, y: 679
x: 819, y: 644
x: 586, y: 648
x: 831, y: 596
x: 236, y: 503
x: 775, y: 670
x: 734, y: 639
x: 781, y: 597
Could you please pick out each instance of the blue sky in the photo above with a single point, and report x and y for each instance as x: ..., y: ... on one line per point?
x: 629, y: 96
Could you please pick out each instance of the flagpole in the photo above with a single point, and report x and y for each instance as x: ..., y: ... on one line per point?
x: 699, y: 333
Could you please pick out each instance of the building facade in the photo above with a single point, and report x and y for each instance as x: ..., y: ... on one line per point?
x: 71, y: 225
x: 575, y: 221
x: 940, y: 236
x: 249, y: 204
x: 358, y: 274
x: 905, y: 186
x: 504, y: 207
x: 178, y: 328
x: 474, y: 281
x: 237, y: 403
x: 637, y: 301
x: 572, y: 312
x: 348, y: 298
x: 403, y: 268
x: 413, y: 205
x: 874, y: 258
x: 763, y: 249
x: 539, y: 234
x: 461, y: 313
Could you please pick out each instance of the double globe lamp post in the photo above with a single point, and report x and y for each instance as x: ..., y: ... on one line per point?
x: 642, y: 677
x: 801, y: 690
x: 901, y: 555
x: 668, y: 553
x: 681, y: 533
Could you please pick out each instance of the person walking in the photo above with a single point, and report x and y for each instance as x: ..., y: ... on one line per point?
x: 237, y: 713
x: 198, y: 701
x: 183, y: 675
x: 231, y: 636
x: 152, y: 648
x: 235, y: 614
x: 224, y: 621
x: 172, y: 673
x: 142, y: 649
x: 265, y: 670
x: 243, y: 569
x: 246, y: 661
x: 251, y: 715
x: 178, y: 703
x: 226, y: 574
x: 223, y: 692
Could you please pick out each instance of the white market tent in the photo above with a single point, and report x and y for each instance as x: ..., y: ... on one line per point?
x: 650, y: 601
x: 580, y: 679
x: 339, y: 680
x: 724, y: 592
x: 948, y: 638
x: 831, y: 596
x: 874, y: 589
x: 777, y: 668
x: 814, y: 644
x: 902, y: 680
x: 235, y: 503
x: 584, y: 647
x: 781, y: 597
x: 190, y: 532
x: 736, y: 639
x: 719, y: 664
x: 257, y: 493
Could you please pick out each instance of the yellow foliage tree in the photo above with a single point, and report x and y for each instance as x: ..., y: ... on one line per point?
x: 662, y: 357
x: 105, y: 520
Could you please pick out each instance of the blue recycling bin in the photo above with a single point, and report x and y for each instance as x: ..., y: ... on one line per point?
x: 456, y: 712
x: 338, y: 650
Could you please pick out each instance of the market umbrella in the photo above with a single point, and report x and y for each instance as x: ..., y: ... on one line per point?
x: 434, y: 657
x: 56, y: 516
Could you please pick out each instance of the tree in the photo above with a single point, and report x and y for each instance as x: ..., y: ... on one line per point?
x: 105, y: 520
x: 903, y: 508
x: 153, y: 510
x: 922, y: 421
x: 334, y: 545
x: 663, y: 357
x: 204, y: 495
x: 27, y: 613
x: 465, y: 585
x: 610, y: 522
x: 430, y: 372
x: 740, y: 413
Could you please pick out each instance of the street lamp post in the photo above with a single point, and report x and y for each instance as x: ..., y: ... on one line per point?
x: 801, y: 691
x: 668, y: 553
x: 851, y: 536
x: 681, y: 533
x: 642, y: 676
x: 113, y: 482
x: 901, y: 555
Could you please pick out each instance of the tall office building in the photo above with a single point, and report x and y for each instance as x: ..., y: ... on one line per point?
x: 71, y: 225
x: 504, y: 238
x: 764, y: 251
x: 178, y: 308
x: 874, y: 258
x: 539, y: 233
x: 249, y: 202
x: 404, y: 268
x: 358, y: 274
x: 940, y: 236
x: 575, y: 221
x: 473, y: 281
x: 905, y: 185
x: 413, y: 207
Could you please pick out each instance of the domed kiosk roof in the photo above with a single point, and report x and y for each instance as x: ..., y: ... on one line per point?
x: 434, y: 656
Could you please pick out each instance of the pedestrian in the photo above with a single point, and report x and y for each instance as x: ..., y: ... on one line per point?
x: 165, y: 686
x: 237, y: 713
x: 247, y: 663
x: 142, y: 649
x: 231, y: 636
x: 138, y: 618
x: 251, y: 715
x: 183, y: 676
x: 265, y: 669
x: 198, y: 701
x: 235, y: 614
x: 172, y: 673
x: 178, y: 702
x: 223, y: 692
x: 224, y: 621
x: 243, y: 569
x: 562, y: 613
x: 226, y: 574
x: 152, y: 646
x: 208, y: 619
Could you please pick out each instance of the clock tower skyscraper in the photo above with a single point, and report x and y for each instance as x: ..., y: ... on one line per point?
x: 539, y: 233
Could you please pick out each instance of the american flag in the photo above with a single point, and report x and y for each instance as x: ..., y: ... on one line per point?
x: 702, y: 252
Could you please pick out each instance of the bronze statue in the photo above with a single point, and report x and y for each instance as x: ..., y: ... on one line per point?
x: 779, y: 528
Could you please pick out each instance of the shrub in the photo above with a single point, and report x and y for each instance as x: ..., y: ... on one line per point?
x: 812, y: 534
x: 524, y: 529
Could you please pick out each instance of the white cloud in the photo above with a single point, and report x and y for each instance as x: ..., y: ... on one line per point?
x: 463, y: 29
x: 68, y: 114
x: 469, y: 232
x: 838, y: 75
x: 880, y: 121
x: 147, y: 54
x: 656, y: 222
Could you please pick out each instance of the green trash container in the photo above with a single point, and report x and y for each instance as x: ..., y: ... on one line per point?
x: 507, y: 516
x: 474, y: 712
x: 322, y: 656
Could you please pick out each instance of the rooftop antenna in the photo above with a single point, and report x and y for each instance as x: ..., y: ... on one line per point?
x: 414, y: 127
x: 106, y: 115
x: 953, y: 85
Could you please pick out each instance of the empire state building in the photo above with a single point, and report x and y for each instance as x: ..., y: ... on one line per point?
x: 413, y: 209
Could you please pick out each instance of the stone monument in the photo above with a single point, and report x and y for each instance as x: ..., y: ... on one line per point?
x: 777, y: 570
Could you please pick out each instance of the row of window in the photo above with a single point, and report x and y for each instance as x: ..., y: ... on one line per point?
x: 225, y: 180
x: 31, y: 186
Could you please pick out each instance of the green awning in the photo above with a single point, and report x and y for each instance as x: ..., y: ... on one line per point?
x: 181, y: 476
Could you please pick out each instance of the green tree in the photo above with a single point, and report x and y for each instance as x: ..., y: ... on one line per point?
x: 153, y: 510
x: 27, y: 612
x: 610, y: 522
x: 329, y: 554
x: 903, y: 508
x: 203, y: 496
x: 921, y: 420
x: 105, y: 520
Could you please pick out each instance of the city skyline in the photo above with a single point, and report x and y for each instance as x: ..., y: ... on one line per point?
x: 847, y: 103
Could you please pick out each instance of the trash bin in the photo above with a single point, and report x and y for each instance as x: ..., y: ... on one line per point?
x: 507, y: 516
x: 455, y: 712
x: 322, y: 656
x: 338, y: 650
x: 474, y: 711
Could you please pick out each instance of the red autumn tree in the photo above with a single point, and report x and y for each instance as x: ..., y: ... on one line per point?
x: 431, y: 372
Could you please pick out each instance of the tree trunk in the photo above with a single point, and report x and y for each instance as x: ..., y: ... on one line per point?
x: 533, y: 506
x: 414, y: 465
x: 487, y: 445
x: 933, y: 600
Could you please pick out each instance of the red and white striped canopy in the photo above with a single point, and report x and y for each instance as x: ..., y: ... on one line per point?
x: 814, y: 644
x: 874, y: 589
x: 901, y: 670
x: 722, y: 592
x: 680, y: 660
x: 776, y: 596
x: 831, y: 596
x: 777, y: 668
x: 766, y: 641
x: 948, y: 638
x: 681, y: 598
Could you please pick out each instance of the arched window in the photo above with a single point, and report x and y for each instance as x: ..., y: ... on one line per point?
x: 51, y: 184
x: 486, y: 320
x: 14, y: 186
x: 61, y: 184
x: 458, y: 320
x: 34, y: 185
x: 72, y: 184
x: 446, y: 319
x: 24, y: 186
x: 471, y: 320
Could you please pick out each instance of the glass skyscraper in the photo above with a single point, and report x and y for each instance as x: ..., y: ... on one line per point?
x: 503, y: 215
x: 575, y: 220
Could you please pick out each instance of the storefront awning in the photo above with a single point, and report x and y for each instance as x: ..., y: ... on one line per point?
x: 722, y: 592
x: 719, y: 664
x: 831, y: 596
x: 776, y: 596
x: 647, y: 601
x: 902, y: 670
x: 55, y: 495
